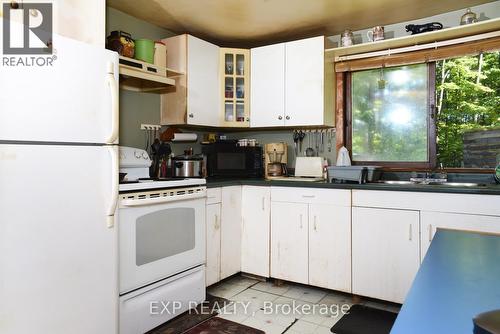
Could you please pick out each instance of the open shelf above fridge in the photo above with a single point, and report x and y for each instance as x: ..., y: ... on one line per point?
x: 139, y: 76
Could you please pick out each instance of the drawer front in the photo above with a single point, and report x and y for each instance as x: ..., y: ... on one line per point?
x: 338, y: 197
x: 426, y: 201
x: 214, y: 195
x: 144, y: 309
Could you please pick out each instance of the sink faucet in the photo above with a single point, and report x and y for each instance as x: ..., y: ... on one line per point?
x: 435, y: 176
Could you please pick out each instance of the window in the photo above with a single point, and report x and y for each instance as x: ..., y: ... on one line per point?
x: 442, y: 113
x: 468, y: 111
x: 389, y: 115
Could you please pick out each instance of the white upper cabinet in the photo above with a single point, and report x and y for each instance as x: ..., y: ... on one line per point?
x: 195, y: 99
x: 304, y: 82
x: 267, y: 97
x: 203, y: 83
x: 288, y: 85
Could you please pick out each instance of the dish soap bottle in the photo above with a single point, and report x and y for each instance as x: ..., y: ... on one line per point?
x: 497, y: 169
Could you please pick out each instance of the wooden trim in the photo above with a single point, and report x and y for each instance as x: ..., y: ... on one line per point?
x: 431, y: 115
x: 339, y: 111
x: 410, y: 40
x: 430, y: 55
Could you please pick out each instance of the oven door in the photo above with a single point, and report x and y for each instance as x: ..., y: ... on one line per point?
x: 159, y: 237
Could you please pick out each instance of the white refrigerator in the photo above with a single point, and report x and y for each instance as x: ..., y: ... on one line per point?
x: 58, y: 193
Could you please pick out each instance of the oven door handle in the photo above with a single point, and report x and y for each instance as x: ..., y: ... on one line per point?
x: 161, y: 200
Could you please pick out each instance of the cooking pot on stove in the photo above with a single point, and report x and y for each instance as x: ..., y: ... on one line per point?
x: 188, y: 165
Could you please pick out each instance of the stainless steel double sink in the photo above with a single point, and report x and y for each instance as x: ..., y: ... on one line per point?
x: 433, y: 183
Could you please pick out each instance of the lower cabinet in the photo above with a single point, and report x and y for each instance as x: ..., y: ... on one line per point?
x: 289, y: 241
x: 223, y: 233
x: 311, y: 237
x: 385, y: 252
x: 230, y: 231
x: 431, y: 221
x: 255, y: 239
x: 330, y: 246
x: 212, y: 274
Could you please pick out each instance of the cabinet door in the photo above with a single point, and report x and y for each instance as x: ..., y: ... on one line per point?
x: 330, y: 247
x: 203, y: 106
x: 256, y: 212
x: 267, y: 99
x: 289, y: 242
x: 385, y: 252
x: 230, y: 231
x: 304, y: 82
x: 454, y: 221
x: 235, y: 81
x: 213, y: 244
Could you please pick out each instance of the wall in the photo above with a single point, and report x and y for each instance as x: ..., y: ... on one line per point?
x: 481, y: 148
x: 451, y: 19
x: 135, y: 108
x: 272, y: 136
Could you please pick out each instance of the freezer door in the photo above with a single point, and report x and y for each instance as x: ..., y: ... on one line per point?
x: 73, y: 101
x: 58, y: 257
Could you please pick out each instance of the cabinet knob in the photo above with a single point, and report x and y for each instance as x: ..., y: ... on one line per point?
x: 280, y: 117
x: 287, y: 118
x: 191, y: 115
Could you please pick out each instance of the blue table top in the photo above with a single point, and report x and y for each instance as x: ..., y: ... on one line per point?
x: 459, y: 278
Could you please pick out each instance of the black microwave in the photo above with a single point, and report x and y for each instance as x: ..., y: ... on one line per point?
x: 227, y: 159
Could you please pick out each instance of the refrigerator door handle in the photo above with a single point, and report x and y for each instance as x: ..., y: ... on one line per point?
x: 113, y: 86
x: 113, y: 150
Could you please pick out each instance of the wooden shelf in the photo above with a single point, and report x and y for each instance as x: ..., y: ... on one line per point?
x: 139, y: 76
x: 335, y: 54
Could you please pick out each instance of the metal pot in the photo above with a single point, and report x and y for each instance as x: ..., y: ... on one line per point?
x: 188, y: 166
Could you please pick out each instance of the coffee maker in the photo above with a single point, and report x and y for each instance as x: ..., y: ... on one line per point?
x: 275, y: 158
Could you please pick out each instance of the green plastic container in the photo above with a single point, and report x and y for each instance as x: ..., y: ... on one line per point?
x: 145, y: 50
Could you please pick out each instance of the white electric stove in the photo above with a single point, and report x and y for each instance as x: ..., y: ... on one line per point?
x: 161, y: 243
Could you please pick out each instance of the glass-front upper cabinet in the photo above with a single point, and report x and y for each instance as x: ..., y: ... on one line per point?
x: 235, y: 74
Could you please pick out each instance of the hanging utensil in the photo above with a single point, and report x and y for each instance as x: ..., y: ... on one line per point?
x: 295, y: 141
x: 329, y: 138
x: 316, y: 140
x: 302, y: 134
x: 309, y: 150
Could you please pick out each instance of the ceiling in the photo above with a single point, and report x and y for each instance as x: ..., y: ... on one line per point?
x: 247, y: 23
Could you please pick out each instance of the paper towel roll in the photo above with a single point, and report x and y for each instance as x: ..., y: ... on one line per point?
x: 185, y: 137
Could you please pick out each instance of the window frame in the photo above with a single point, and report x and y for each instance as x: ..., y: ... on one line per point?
x: 431, y: 162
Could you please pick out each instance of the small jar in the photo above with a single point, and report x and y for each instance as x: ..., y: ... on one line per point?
x: 347, y: 38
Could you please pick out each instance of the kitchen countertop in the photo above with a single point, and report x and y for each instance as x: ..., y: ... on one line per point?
x: 458, y: 280
x: 480, y: 190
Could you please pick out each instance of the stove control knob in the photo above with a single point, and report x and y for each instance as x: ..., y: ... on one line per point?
x: 137, y: 154
x: 145, y: 156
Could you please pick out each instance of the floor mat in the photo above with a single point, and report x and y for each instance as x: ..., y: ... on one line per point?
x: 219, y: 325
x: 365, y: 320
x: 192, y: 318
